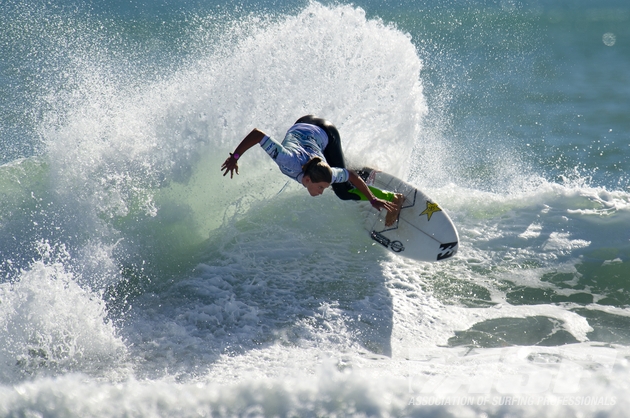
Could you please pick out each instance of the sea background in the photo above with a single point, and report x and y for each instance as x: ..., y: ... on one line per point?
x: 137, y: 281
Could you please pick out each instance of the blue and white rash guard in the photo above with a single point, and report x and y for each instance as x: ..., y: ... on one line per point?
x: 301, y: 143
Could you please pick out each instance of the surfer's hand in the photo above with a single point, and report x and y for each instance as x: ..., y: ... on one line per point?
x: 382, y: 204
x: 230, y: 166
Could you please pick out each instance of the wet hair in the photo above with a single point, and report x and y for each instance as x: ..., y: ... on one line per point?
x: 317, y: 170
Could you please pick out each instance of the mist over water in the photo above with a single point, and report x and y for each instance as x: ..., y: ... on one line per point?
x: 129, y: 188
x: 136, y: 280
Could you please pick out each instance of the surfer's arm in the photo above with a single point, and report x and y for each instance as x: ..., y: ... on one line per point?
x: 365, y: 190
x: 230, y: 165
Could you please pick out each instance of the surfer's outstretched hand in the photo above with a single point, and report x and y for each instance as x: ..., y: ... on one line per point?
x: 230, y: 166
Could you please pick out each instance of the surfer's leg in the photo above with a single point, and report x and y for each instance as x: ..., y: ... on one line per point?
x: 334, y: 157
x: 346, y: 191
x: 333, y: 151
x: 380, y: 194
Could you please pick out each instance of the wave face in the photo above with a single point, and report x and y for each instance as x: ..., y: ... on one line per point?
x: 136, y: 280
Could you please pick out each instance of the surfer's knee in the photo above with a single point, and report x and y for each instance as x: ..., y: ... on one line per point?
x: 342, y: 190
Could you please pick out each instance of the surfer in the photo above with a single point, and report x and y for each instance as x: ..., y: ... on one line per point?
x: 311, y: 154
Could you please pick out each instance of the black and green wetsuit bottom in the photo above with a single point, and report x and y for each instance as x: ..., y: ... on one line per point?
x: 380, y: 194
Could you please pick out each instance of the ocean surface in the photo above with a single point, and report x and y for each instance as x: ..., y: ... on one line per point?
x: 136, y: 281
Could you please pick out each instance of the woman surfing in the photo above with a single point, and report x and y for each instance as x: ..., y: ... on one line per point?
x: 311, y: 154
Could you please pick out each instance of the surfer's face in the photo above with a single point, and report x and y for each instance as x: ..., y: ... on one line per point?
x: 314, y: 189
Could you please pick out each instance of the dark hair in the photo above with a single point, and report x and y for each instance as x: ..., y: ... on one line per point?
x: 317, y: 170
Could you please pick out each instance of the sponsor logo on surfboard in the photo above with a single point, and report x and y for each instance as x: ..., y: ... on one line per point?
x: 430, y: 210
x: 395, y: 246
x: 447, y: 250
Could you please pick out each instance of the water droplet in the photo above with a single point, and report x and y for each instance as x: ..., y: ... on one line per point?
x: 609, y: 39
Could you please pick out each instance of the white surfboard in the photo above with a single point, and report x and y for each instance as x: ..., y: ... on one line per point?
x: 423, y: 230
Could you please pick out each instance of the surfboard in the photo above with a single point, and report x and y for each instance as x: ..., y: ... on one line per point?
x: 423, y: 231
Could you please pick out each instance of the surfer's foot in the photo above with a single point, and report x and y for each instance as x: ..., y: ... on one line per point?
x: 392, y: 216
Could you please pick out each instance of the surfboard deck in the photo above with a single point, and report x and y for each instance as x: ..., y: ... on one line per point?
x: 423, y: 230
